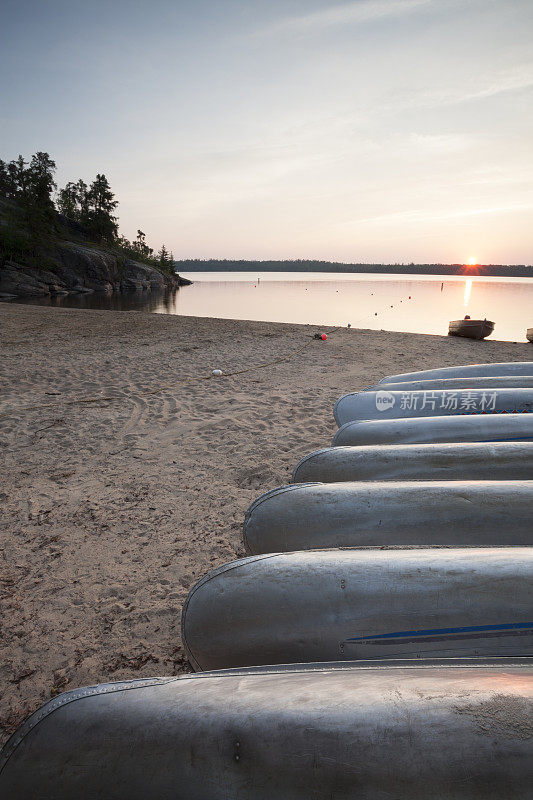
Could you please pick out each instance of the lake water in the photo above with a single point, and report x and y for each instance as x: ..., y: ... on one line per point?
x: 397, y: 303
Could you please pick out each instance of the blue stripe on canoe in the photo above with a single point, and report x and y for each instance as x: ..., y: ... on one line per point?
x: 514, y: 439
x: 468, y: 629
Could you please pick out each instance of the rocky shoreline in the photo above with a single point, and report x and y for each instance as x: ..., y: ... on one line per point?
x: 79, y: 269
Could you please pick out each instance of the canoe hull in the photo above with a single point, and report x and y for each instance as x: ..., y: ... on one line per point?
x: 471, y: 461
x: 325, y: 605
x: 420, y: 430
x: 383, y: 404
x: 465, y: 371
x: 494, y: 382
x: 447, y: 731
x: 316, y: 515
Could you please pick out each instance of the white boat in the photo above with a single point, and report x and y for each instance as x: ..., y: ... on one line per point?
x: 446, y: 402
x: 418, y: 430
x: 465, y: 371
x: 450, y: 461
x: 309, y: 516
x: 324, y: 605
x: 453, y: 730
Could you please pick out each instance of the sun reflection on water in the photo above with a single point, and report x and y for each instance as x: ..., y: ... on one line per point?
x: 468, y: 290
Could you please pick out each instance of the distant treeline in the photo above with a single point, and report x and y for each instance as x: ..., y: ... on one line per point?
x: 31, y: 219
x: 300, y: 265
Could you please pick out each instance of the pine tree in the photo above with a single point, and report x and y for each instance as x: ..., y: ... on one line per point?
x: 6, y: 186
x: 163, y: 256
x: 39, y: 181
x: 101, y: 204
x: 82, y: 202
x: 18, y: 170
x: 140, y: 244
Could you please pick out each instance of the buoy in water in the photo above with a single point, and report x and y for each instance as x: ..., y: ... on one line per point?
x: 217, y: 373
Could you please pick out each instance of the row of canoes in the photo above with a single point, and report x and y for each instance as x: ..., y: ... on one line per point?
x: 394, y: 578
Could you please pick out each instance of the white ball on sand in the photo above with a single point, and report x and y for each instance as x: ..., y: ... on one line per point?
x: 217, y: 372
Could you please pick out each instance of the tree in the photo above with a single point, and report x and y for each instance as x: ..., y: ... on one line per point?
x: 82, y: 201
x: 6, y: 184
x: 18, y: 171
x: 39, y: 181
x: 140, y: 244
x: 101, y: 205
x: 72, y: 201
x: 163, y: 256
x: 67, y: 201
x: 13, y: 178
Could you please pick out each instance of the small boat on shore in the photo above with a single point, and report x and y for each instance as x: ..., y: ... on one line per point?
x: 464, y: 371
x: 471, y: 328
x: 310, y: 516
x: 529, y: 334
x: 418, y: 462
x: 323, y: 605
x: 456, y: 729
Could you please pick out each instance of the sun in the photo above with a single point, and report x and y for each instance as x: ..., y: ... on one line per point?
x: 471, y: 267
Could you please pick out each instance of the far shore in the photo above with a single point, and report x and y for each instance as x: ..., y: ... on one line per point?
x: 463, y: 270
x: 112, y: 509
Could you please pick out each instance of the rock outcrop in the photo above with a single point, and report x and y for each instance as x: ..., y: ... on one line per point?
x: 75, y: 268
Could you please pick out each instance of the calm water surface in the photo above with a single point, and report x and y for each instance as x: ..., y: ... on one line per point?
x: 397, y: 303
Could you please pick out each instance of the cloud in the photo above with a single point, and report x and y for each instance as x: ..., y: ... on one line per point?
x: 479, y: 87
x: 354, y: 13
x: 421, y: 215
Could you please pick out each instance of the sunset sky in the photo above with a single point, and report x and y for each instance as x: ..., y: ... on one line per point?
x: 374, y: 130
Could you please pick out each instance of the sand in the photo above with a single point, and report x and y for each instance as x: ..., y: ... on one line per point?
x: 112, y: 510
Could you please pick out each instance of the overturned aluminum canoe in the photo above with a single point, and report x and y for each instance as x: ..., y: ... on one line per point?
x: 324, y: 605
x: 495, y: 382
x: 465, y: 371
x: 419, y: 430
x: 458, y: 730
x: 309, y: 516
x: 451, y: 461
x: 445, y: 402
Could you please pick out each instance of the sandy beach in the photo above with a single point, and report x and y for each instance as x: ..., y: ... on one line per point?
x: 111, y: 510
